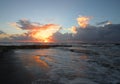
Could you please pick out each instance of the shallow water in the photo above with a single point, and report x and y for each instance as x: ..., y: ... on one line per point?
x: 80, y: 64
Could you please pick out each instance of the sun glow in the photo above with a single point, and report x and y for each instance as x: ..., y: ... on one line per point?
x: 42, y: 36
x: 45, y: 34
x: 46, y: 41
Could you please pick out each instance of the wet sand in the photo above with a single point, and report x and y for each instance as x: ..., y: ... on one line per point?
x: 12, y: 71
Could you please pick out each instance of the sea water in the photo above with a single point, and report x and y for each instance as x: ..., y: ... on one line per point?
x: 79, y: 64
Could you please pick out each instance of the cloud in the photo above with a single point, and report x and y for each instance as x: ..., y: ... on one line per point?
x: 14, y: 24
x: 16, y: 37
x: 104, y: 23
x: 4, y: 36
x: 25, y: 24
x: 83, y: 21
x: 1, y: 32
x: 45, y: 32
x: 73, y: 29
x: 21, y: 37
x: 108, y: 33
x: 51, y: 32
x: 40, y: 32
x: 59, y: 37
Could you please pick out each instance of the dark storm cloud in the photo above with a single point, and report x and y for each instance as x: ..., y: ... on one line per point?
x: 102, y: 22
x: 25, y: 24
x: 108, y: 33
x: 59, y: 37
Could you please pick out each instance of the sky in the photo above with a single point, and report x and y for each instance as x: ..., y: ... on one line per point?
x: 64, y: 13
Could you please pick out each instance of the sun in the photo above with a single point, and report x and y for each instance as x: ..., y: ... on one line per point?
x: 46, y: 41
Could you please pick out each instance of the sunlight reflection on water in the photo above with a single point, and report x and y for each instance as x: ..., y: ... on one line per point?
x: 40, y: 62
x: 54, y: 63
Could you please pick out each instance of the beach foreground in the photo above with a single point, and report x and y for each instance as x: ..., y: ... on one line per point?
x: 76, y: 64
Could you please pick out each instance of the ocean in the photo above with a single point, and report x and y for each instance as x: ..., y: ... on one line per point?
x: 82, y: 63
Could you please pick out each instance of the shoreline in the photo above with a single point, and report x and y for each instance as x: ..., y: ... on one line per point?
x: 31, y: 46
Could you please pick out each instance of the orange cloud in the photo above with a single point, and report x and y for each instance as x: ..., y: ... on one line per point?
x: 83, y: 21
x: 4, y: 35
x: 73, y: 30
x: 45, y: 32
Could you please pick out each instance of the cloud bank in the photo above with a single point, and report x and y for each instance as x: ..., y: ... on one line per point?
x: 51, y: 32
x: 108, y: 33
